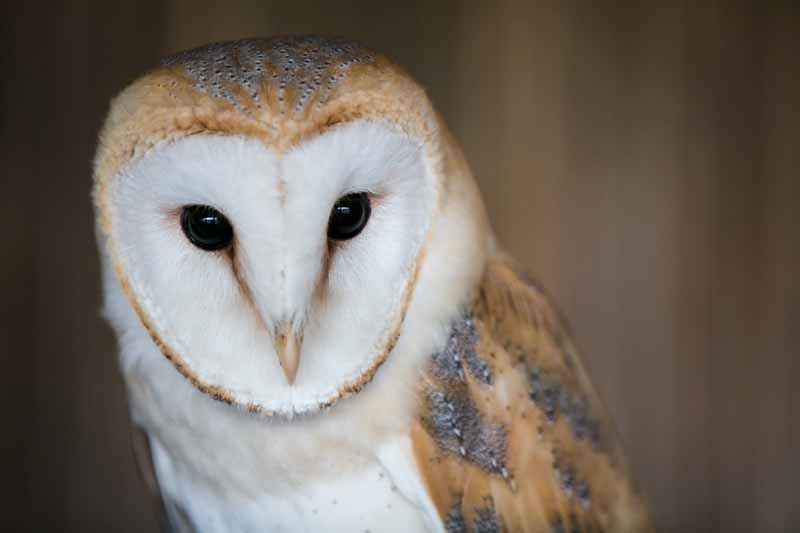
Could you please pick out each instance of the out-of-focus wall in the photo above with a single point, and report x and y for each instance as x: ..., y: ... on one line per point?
x: 641, y: 159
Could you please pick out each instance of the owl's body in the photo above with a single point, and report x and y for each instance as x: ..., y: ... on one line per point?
x: 395, y: 374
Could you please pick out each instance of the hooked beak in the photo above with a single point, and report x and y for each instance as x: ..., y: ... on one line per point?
x: 287, y: 345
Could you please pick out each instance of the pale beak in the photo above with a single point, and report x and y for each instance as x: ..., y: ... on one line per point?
x: 287, y: 345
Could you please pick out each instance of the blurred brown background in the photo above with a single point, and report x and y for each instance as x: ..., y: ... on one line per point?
x: 642, y: 159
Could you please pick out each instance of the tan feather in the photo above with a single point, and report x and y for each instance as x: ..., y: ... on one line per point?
x: 512, y: 436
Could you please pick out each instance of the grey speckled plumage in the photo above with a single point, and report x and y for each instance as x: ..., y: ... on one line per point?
x: 512, y: 435
x: 311, y: 66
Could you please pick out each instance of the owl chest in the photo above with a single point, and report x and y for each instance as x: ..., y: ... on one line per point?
x: 360, y: 500
x: 224, y: 471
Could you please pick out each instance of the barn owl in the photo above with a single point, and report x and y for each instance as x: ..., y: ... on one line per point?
x: 317, y: 328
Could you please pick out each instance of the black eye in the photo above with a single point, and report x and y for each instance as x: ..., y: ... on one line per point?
x: 349, y: 216
x: 206, y: 227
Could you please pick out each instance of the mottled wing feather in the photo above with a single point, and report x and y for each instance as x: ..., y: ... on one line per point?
x: 172, y: 519
x: 512, y: 436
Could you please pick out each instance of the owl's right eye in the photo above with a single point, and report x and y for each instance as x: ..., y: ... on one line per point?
x: 206, y: 228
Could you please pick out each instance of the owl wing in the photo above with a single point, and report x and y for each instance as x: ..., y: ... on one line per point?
x: 171, y: 517
x: 512, y: 436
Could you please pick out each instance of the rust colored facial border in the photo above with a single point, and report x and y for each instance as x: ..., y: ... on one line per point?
x: 219, y: 393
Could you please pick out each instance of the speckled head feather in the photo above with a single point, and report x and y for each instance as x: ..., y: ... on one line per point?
x: 293, y: 74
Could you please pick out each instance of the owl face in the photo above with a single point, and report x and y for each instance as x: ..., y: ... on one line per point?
x: 274, y: 279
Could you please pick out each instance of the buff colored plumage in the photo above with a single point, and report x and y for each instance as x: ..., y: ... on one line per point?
x: 512, y: 436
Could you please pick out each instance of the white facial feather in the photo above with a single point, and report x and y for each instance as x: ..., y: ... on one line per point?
x: 278, y: 205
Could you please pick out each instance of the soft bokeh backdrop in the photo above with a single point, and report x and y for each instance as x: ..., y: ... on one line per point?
x: 640, y: 158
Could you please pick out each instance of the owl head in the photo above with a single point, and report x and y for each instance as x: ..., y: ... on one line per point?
x: 267, y: 207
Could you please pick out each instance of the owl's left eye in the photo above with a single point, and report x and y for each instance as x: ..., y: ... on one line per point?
x: 349, y: 216
x: 206, y: 228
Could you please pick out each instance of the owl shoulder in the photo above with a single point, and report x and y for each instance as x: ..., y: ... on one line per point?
x: 511, y: 435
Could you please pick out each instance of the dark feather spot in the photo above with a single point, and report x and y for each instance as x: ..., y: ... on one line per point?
x: 486, y: 518
x: 454, y: 522
x: 458, y: 427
